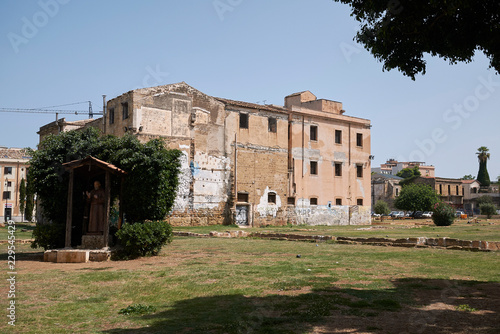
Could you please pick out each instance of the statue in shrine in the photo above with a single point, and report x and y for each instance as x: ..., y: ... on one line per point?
x: 96, y: 218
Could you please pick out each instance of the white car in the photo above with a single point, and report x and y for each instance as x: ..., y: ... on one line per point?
x: 427, y: 214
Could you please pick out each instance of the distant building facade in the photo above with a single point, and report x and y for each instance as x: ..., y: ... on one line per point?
x: 392, y: 167
x: 385, y: 187
x: 251, y: 164
x: 451, y: 191
x: 13, y: 167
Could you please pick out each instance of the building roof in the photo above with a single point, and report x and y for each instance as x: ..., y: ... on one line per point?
x: 89, y: 161
x: 469, y: 181
x: 249, y: 105
x: 386, y: 176
x: 14, y: 153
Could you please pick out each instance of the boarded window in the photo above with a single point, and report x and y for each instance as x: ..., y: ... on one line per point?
x: 271, y: 198
x: 338, y: 201
x: 314, y: 132
x: 313, y: 201
x: 359, y: 139
x: 125, y: 110
x: 359, y: 201
x: 338, y: 169
x: 243, y: 121
x: 314, y: 168
x: 338, y: 136
x: 359, y: 170
x: 272, y: 124
x: 242, y: 197
x: 111, y: 115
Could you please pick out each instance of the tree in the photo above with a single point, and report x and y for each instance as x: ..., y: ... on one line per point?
x: 409, y: 175
x: 381, y: 208
x: 416, y: 197
x: 482, y: 175
x: 468, y: 177
x: 488, y: 209
x: 22, y: 197
x: 400, y: 32
x: 30, y: 202
x: 148, y: 193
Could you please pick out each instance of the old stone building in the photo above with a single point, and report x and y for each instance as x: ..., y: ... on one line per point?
x: 13, y: 165
x: 385, y: 187
x: 451, y: 191
x: 248, y: 163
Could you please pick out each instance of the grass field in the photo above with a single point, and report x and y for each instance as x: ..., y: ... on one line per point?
x: 215, y: 285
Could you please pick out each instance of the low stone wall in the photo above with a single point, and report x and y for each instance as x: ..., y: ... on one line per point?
x: 420, y: 242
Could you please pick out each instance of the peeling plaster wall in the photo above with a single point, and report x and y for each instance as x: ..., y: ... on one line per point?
x: 211, y: 180
x: 307, y: 214
x: 185, y: 178
x: 264, y: 208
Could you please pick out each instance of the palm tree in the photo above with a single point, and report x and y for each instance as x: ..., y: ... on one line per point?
x: 483, y: 156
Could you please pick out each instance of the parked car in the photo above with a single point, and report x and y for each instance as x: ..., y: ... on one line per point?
x: 459, y: 213
x: 397, y: 214
x: 375, y: 214
x: 427, y: 214
x: 418, y: 214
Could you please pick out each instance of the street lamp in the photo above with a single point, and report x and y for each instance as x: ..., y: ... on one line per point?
x: 6, y: 199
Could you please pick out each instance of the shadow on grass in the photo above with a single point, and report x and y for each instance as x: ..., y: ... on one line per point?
x: 411, y: 306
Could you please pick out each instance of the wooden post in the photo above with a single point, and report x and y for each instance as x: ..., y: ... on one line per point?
x: 69, y: 210
x: 120, y: 199
x: 107, y: 209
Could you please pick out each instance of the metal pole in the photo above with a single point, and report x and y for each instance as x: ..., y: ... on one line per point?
x: 104, y: 114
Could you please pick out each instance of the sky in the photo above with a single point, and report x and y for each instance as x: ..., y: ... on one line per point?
x: 62, y: 52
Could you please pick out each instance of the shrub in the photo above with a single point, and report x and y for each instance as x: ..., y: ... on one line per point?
x: 444, y: 214
x: 144, y: 238
x: 48, y: 236
x: 381, y: 208
x: 488, y: 209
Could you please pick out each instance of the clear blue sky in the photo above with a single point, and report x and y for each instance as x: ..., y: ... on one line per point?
x: 56, y: 52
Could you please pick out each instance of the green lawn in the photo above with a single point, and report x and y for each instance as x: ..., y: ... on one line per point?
x: 216, y: 285
x: 23, y: 231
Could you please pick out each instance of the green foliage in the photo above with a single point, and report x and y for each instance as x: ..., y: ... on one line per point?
x: 381, y: 208
x: 482, y: 175
x: 468, y: 177
x: 416, y: 197
x: 150, y: 185
x: 465, y: 308
x: 48, y: 236
x: 484, y: 199
x: 144, y: 239
x: 30, y: 202
x: 22, y: 196
x: 488, y: 209
x: 137, y: 309
x: 444, y: 214
x: 400, y: 33
x: 409, y: 175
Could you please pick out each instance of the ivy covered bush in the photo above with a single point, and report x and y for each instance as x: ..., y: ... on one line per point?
x: 444, y: 214
x: 144, y: 238
x: 149, y: 189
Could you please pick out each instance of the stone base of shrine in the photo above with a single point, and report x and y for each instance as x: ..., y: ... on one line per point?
x: 76, y: 255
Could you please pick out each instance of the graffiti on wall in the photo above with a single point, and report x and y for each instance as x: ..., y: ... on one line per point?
x: 265, y: 208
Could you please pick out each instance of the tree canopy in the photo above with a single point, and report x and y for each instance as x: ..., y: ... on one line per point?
x: 416, y: 197
x: 482, y: 175
x: 468, y: 177
x: 409, y: 175
x: 150, y: 186
x: 400, y: 32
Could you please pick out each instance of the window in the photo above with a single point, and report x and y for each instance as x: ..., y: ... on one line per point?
x: 6, y: 195
x: 125, y: 110
x: 359, y: 201
x: 359, y: 139
x: 338, y: 201
x: 291, y: 201
x: 463, y: 191
x: 271, y: 197
x: 313, y: 201
x: 440, y: 189
x: 9, y: 184
x: 243, y: 121
x: 242, y: 197
x: 397, y: 191
x: 272, y: 124
x: 313, y: 132
x: 359, y: 170
x: 457, y: 191
x: 338, y: 136
x: 7, y: 170
x: 449, y: 190
x: 111, y: 115
x: 338, y: 169
x: 314, y: 168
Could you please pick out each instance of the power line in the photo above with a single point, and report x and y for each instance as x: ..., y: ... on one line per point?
x: 64, y: 105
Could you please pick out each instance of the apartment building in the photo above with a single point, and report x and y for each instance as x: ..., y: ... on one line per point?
x: 13, y: 165
x: 251, y: 164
